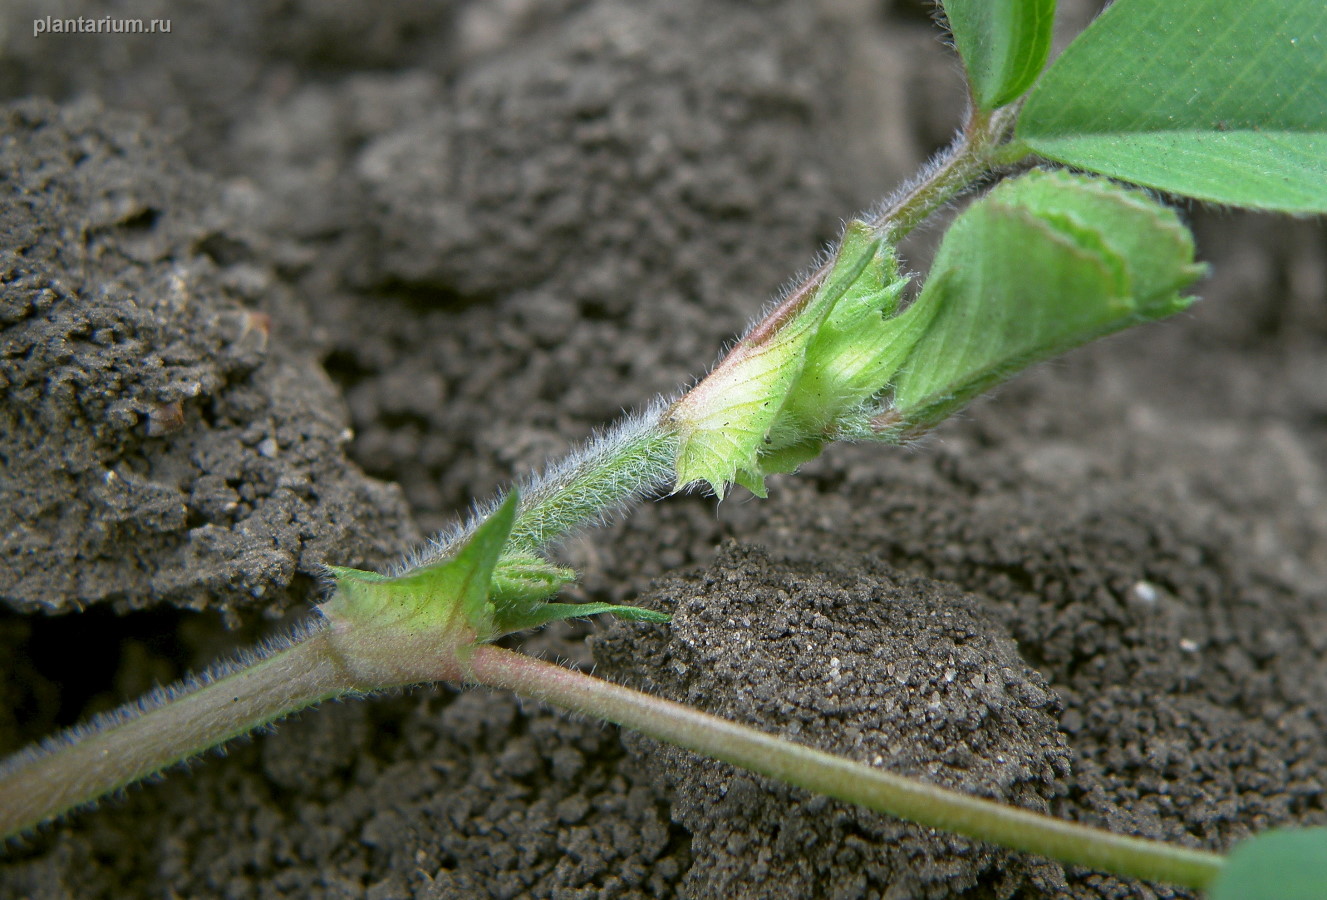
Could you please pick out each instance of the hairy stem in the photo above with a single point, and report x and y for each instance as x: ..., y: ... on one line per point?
x: 978, y: 151
x: 79, y: 768
x: 843, y: 779
x: 637, y: 456
x: 140, y: 740
x: 628, y: 462
x: 633, y: 459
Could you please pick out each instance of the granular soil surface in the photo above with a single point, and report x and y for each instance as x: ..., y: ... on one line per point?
x: 295, y: 283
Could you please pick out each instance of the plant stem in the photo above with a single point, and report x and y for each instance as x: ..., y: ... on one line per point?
x: 629, y: 461
x: 843, y: 779
x: 975, y: 154
x: 632, y: 459
x: 92, y: 761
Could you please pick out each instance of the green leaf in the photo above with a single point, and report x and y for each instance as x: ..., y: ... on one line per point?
x: 1003, y: 43
x: 436, y: 597
x: 1284, y: 864
x: 536, y: 616
x: 1042, y: 263
x: 1222, y: 100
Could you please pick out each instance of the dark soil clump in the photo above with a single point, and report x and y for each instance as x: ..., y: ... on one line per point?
x: 166, y: 435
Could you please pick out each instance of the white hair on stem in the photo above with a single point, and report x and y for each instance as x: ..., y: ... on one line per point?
x: 160, y: 696
x: 616, y: 468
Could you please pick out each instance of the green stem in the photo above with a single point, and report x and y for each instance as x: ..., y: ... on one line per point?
x: 975, y: 154
x: 93, y: 762
x: 629, y: 461
x: 972, y: 157
x: 142, y: 739
x: 833, y: 776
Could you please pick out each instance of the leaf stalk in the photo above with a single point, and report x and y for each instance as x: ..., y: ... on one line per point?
x: 823, y: 773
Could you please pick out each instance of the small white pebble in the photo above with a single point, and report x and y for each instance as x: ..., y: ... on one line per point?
x: 1145, y: 592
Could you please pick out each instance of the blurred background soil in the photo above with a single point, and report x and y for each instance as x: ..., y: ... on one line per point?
x: 297, y: 281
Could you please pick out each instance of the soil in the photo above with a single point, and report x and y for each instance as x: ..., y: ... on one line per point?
x: 296, y: 282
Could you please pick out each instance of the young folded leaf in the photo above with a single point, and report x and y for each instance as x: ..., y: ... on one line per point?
x: 523, y: 587
x: 848, y: 361
x: 1041, y: 264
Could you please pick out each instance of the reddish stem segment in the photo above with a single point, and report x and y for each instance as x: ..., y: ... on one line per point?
x: 823, y: 773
